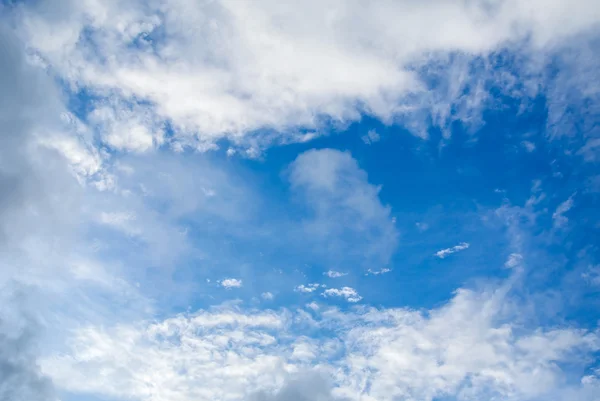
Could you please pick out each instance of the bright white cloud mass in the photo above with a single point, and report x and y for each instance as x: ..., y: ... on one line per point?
x: 299, y: 200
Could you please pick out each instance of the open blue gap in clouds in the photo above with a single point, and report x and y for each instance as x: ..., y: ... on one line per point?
x: 447, y: 186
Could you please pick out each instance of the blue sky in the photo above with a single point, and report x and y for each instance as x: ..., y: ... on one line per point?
x: 293, y: 201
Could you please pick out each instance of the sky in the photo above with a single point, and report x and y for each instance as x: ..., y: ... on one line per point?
x: 299, y: 200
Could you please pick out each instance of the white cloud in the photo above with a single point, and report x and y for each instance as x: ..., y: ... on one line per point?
x: 422, y: 227
x: 345, y: 292
x: 307, y: 288
x: 449, y: 251
x: 378, y: 272
x: 592, y: 275
x: 126, y: 127
x: 231, y: 283
x: 268, y: 296
x: 471, y: 348
x: 234, y: 69
x: 514, y: 260
x: 529, y: 146
x: 558, y: 216
x: 334, y: 274
x: 348, y: 220
x: 371, y: 137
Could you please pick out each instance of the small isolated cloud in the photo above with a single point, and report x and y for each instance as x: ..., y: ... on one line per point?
x: 378, y: 272
x: 558, y: 216
x: 307, y: 288
x: 514, y: 260
x: 268, y: 296
x: 529, y: 146
x: 346, y: 292
x: 371, y: 137
x: 449, y: 251
x: 422, y: 226
x: 592, y: 275
x: 231, y: 283
x: 334, y: 274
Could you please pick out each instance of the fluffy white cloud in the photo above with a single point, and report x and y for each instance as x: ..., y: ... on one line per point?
x: 469, y: 349
x: 348, y: 293
x: 231, y: 283
x: 443, y: 253
x: 225, y: 69
x: 592, y: 275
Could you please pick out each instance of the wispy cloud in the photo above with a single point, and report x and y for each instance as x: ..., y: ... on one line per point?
x: 307, y: 288
x: 514, y: 260
x: 371, y: 137
x: 334, y: 274
x: 560, y: 220
x: 378, y: 272
x: 449, y: 251
x: 268, y: 296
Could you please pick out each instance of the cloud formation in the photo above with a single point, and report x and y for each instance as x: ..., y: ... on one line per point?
x: 234, y: 70
x: 348, y: 220
x: 470, y: 348
x: 231, y: 283
x: 348, y: 293
x: 444, y: 253
x: 334, y: 274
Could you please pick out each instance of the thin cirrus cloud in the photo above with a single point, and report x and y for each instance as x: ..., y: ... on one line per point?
x: 444, y: 253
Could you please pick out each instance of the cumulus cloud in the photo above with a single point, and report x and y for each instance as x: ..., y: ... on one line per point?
x: 236, y: 69
x: 473, y: 347
x: 348, y: 293
x: 443, y: 253
x: 231, y: 283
